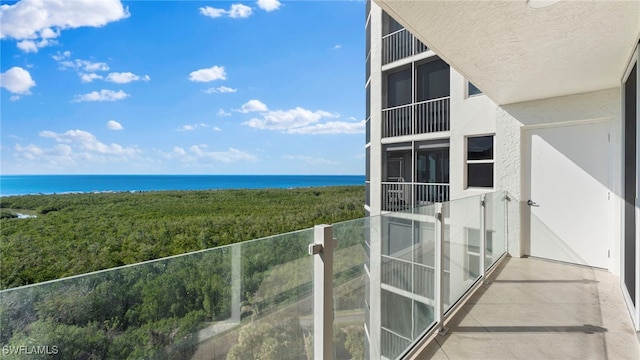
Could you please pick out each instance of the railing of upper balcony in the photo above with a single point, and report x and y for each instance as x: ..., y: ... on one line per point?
x: 399, y: 45
x: 417, y: 118
x: 268, y: 298
x: 398, y: 196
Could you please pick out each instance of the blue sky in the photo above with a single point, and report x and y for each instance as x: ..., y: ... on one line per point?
x: 163, y: 87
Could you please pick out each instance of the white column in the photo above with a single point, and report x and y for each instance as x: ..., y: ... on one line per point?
x: 439, y: 267
x: 483, y: 233
x: 322, y: 250
x: 236, y: 281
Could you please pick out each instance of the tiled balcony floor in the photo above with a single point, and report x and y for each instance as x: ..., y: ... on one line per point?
x: 537, y: 309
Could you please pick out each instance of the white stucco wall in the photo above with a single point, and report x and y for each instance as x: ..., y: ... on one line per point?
x: 469, y: 117
x: 512, y: 120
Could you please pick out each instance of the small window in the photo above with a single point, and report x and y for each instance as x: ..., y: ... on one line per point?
x: 480, y: 162
x: 472, y: 90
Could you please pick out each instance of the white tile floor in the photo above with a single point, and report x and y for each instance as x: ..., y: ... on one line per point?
x: 538, y: 309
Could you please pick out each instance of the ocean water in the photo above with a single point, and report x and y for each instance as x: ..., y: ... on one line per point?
x: 58, y: 184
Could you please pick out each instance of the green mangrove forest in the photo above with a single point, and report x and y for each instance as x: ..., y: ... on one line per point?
x: 176, y: 308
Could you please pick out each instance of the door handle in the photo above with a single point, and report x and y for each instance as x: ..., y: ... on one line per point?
x: 531, y: 203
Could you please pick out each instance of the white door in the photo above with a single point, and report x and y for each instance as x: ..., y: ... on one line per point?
x: 569, y: 174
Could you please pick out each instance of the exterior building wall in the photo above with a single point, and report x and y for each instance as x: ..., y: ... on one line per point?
x: 512, y: 120
x: 470, y: 116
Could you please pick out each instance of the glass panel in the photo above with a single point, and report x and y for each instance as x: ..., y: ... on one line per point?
x: 495, y: 221
x: 461, y: 265
x: 432, y: 80
x: 433, y: 166
x: 480, y: 175
x: 398, y: 88
x: 350, y: 287
x: 472, y: 89
x: 252, y: 298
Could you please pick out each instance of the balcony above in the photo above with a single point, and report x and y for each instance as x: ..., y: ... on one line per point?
x: 521, y: 53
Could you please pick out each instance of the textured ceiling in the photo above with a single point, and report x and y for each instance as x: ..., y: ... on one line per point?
x: 514, y: 53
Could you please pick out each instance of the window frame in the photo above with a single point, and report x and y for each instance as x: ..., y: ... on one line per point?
x: 468, y: 162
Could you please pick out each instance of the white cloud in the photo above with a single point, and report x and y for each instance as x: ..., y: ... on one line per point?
x: 17, y: 80
x: 125, y: 77
x: 62, y: 55
x: 215, y: 128
x: 303, y: 121
x: 114, y: 125
x: 269, y: 5
x: 36, y: 23
x: 331, y: 127
x: 86, y: 78
x: 212, y: 12
x: 240, y: 11
x: 231, y: 155
x: 289, y: 119
x: 180, y: 151
x: 221, y: 112
x: 220, y: 90
x: 253, y: 106
x: 191, y: 127
x: 102, y: 95
x: 311, y: 160
x: 338, y: 46
x: 14, y: 98
x: 235, y: 11
x: 85, y: 141
x: 208, y: 75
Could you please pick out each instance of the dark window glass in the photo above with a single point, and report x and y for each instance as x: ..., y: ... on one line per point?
x: 367, y: 39
x: 630, y: 171
x: 473, y: 90
x: 433, y: 166
x: 480, y: 148
x: 399, y: 88
x: 368, y: 165
x: 389, y: 24
x: 480, y: 175
x: 368, y: 102
x: 432, y: 80
x: 367, y: 9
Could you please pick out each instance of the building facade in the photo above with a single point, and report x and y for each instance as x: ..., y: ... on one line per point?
x: 466, y: 98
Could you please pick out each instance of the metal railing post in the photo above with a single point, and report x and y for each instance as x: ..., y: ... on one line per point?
x: 322, y: 249
x: 483, y: 234
x: 236, y: 281
x: 439, y: 268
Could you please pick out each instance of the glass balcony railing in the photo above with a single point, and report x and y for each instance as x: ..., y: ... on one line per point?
x: 379, y: 287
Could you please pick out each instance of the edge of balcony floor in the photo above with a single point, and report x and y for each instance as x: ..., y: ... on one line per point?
x: 538, y: 309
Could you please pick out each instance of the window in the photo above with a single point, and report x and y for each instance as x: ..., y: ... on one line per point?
x: 432, y: 80
x: 480, y: 162
x: 389, y: 24
x: 399, y: 88
x: 472, y: 90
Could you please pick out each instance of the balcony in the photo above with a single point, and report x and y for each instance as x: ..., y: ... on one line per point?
x: 399, y: 45
x: 418, y: 118
x: 374, y: 288
x: 398, y: 196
